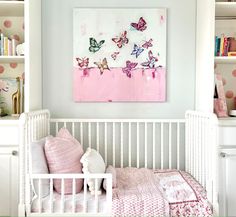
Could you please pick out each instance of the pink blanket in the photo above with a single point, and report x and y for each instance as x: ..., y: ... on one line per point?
x: 138, y: 194
x: 143, y: 192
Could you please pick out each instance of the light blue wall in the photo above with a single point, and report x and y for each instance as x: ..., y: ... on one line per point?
x: 58, y: 52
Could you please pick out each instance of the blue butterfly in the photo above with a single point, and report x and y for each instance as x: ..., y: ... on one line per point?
x: 137, y: 50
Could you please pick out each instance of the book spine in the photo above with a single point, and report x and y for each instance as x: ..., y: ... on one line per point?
x: 9, y: 47
x: 13, y: 47
x: 5, y: 46
x: 225, y: 51
x: 2, y: 44
x: 221, y: 45
x: 216, y: 45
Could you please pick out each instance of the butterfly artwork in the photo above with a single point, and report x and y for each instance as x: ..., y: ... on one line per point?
x: 82, y: 62
x: 102, y: 65
x: 137, y: 50
x: 114, y: 55
x: 129, y: 66
x: 151, y: 61
x: 141, y: 25
x: 94, y: 45
x: 121, y: 40
x: 148, y: 43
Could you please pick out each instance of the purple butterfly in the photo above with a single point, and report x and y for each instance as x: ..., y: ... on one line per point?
x: 129, y: 67
x: 151, y: 61
x: 137, y: 50
x: 148, y: 44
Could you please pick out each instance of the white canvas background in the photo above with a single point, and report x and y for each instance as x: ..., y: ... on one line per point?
x: 105, y: 24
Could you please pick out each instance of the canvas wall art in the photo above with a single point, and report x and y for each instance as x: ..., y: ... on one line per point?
x: 119, y: 55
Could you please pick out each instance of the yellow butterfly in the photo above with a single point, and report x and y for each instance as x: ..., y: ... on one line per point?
x: 102, y: 66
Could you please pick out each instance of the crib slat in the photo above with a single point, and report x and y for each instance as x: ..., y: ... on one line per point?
x: 96, y: 195
x: 178, y: 138
x: 129, y: 144
x: 82, y: 134
x: 56, y: 127
x: 40, y: 195
x: 153, y: 145
x: 73, y: 196
x: 105, y: 136
x: 65, y: 125
x: 62, y: 195
x: 85, y: 195
x: 113, y: 144
x: 89, y: 134
x: 98, y: 138
x: 51, y: 195
x: 137, y: 145
x: 162, y: 147
x: 145, y: 144
x: 73, y: 129
x: 122, y: 145
x: 170, y: 146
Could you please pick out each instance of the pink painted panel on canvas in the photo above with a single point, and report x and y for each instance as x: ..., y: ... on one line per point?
x: 119, y: 55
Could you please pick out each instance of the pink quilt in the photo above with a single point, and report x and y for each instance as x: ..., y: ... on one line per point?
x: 143, y: 192
x: 138, y: 194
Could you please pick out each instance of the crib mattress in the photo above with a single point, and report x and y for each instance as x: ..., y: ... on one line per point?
x: 143, y: 192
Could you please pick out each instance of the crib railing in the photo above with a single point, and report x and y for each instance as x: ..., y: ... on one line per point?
x: 62, y: 207
x: 149, y: 143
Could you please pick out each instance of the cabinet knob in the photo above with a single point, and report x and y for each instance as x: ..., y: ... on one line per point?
x: 222, y: 154
x: 14, y: 153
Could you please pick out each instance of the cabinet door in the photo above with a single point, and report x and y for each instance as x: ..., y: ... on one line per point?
x: 8, y: 181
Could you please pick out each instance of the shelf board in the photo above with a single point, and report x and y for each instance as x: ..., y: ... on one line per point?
x: 12, y: 8
x: 12, y: 59
x: 225, y: 9
x: 226, y: 60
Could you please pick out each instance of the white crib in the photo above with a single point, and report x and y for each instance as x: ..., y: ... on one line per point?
x: 189, y: 145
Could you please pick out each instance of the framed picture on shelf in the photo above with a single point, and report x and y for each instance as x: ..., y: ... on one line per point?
x: 11, y: 96
x: 220, y: 106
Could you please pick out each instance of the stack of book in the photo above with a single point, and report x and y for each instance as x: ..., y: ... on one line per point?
x: 7, y: 46
x: 225, y: 46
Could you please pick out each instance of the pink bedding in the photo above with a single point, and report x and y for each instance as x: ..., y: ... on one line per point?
x: 143, y: 192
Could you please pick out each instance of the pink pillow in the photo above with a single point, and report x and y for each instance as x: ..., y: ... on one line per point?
x: 112, y: 170
x: 63, y: 154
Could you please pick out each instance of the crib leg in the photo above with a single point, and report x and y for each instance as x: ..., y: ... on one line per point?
x: 21, y: 210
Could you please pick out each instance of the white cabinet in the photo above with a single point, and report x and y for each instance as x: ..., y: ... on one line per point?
x: 9, y: 167
x: 9, y: 181
x: 227, y: 164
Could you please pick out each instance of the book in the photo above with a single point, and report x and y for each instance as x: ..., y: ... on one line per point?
x: 2, y: 44
x: 221, y: 46
x: 5, y: 46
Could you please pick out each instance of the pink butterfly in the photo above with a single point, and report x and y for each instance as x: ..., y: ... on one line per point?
x: 121, y: 40
x: 141, y: 25
x: 86, y: 72
x: 148, y: 44
x: 82, y: 62
x: 151, y: 61
x: 129, y: 67
x: 114, y: 55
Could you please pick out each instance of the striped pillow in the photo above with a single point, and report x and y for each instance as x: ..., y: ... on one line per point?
x: 63, y: 154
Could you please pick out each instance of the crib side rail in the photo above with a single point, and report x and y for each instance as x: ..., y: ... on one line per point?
x: 39, y: 179
x: 202, y: 150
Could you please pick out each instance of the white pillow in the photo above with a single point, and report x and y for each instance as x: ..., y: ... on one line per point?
x: 39, y: 166
x: 93, y: 163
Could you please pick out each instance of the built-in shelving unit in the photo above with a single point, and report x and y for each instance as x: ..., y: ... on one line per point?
x: 225, y: 26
